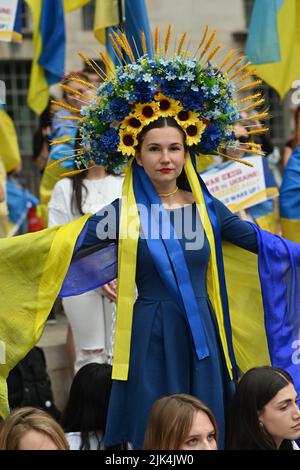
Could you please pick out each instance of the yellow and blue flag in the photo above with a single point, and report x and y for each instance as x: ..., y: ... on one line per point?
x: 290, y: 198
x: 11, y: 21
x: 49, y: 50
x: 107, y: 16
x: 273, y: 43
x: 71, y: 5
x: 9, y: 147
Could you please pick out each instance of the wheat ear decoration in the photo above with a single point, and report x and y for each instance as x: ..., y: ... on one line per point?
x: 244, y: 162
x: 156, y: 40
x: 250, y: 85
x: 227, y: 58
x: 181, y: 42
x: 213, y: 53
x: 246, y: 75
x: 58, y: 162
x: 202, y: 40
x: 255, y: 117
x: 88, y: 62
x: 128, y: 48
x: 207, y: 45
x: 240, y: 70
x: 253, y: 105
x: 106, y: 62
x: 83, y: 82
x: 65, y: 106
x: 234, y: 63
x: 144, y: 43
x: 250, y: 97
x: 262, y: 130
x: 167, y: 39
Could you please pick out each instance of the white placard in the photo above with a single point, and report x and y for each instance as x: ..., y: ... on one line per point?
x: 238, y: 186
x: 8, y: 11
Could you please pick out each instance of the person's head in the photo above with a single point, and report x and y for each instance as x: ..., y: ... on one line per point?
x: 86, y: 409
x: 180, y: 422
x: 71, y: 98
x: 264, y: 412
x: 161, y: 151
x: 31, y: 429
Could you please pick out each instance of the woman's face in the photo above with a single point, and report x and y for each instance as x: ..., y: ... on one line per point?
x: 281, y: 416
x: 202, y: 435
x: 162, y: 155
x: 36, y: 440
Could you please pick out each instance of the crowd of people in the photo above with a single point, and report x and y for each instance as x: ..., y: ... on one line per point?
x: 163, y: 353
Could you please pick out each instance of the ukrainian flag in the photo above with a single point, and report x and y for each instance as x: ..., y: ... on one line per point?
x: 71, y: 5
x: 136, y: 21
x: 290, y: 198
x: 9, y: 147
x: 274, y: 42
x: 49, y: 50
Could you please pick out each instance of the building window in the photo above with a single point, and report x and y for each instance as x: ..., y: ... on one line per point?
x: 15, y: 74
x: 88, y: 13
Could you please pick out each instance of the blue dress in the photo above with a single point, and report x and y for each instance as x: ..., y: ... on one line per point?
x: 162, y: 356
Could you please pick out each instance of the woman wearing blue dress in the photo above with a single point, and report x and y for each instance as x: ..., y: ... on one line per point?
x: 155, y: 117
x: 162, y: 356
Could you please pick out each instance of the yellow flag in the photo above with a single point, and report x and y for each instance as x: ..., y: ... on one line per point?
x: 281, y: 75
x: 106, y: 14
x: 32, y: 270
x: 38, y: 94
x: 9, y: 147
x: 71, y: 5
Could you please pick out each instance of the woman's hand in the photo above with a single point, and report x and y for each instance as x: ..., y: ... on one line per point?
x: 109, y: 291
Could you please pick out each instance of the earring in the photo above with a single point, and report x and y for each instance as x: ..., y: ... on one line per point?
x: 261, y: 424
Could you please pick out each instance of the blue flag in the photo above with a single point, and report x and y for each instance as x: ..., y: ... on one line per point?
x: 263, y: 42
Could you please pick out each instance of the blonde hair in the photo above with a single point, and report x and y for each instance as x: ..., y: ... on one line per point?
x: 25, y: 419
x: 170, y: 421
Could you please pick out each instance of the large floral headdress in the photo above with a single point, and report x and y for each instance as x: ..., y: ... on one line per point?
x: 199, y: 94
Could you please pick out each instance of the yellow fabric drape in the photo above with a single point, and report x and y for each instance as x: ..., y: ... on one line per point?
x: 245, y: 307
x: 71, y: 5
x: 9, y: 147
x: 32, y: 270
x: 106, y: 15
x: 213, y: 284
x: 128, y: 241
x: 290, y: 229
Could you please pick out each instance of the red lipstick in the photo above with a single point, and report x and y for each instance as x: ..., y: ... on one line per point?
x: 165, y: 170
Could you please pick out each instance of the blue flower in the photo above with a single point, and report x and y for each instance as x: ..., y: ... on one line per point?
x: 193, y: 100
x: 142, y: 92
x: 109, y: 141
x: 119, y: 108
x: 173, y: 89
x: 211, y: 139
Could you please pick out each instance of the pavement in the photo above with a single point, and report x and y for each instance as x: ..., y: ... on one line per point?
x: 53, y: 342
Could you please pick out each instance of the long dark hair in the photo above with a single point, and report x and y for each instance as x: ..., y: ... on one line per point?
x: 256, y: 388
x: 182, y: 181
x: 86, y: 410
x: 78, y: 191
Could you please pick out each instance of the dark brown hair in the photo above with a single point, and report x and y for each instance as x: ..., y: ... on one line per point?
x: 182, y: 181
x: 255, y: 389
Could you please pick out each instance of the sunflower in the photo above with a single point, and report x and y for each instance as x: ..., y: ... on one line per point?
x: 194, y: 132
x: 132, y: 124
x: 167, y: 106
x: 147, y: 112
x: 186, y: 118
x: 128, y: 141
